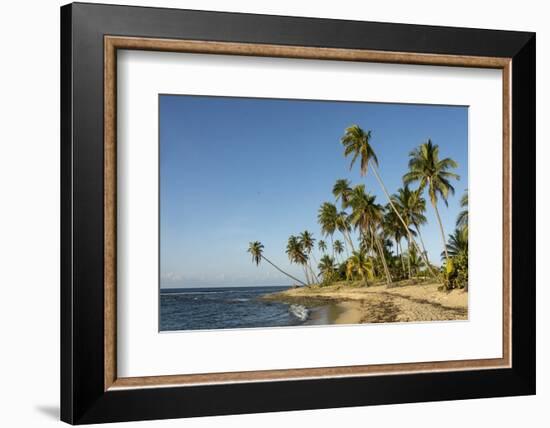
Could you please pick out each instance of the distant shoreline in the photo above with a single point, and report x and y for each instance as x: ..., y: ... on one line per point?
x: 340, y: 304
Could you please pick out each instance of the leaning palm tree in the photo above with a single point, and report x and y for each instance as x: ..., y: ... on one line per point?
x: 322, y: 246
x: 462, y: 220
x: 338, y: 247
x: 367, y: 217
x: 359, y: 264
x: 327, y: 219
x: 432, y: 174
x: 296, y: 254
x: 342, y: 191
x: 357, y: 144
x: 256, y: 249
x: 307, y: 242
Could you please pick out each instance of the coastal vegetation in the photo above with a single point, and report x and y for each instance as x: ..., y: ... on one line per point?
x: 367, y: 242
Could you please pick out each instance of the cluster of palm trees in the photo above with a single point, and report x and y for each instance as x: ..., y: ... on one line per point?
x: 355, y: 212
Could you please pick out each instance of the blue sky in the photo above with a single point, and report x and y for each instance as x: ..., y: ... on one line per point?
x: 235, y: 170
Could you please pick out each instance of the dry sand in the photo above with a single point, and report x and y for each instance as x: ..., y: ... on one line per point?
x: 402, y: 303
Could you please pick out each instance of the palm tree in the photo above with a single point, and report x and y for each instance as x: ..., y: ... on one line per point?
x: 327, y: 266
x: 256, y: 249
x: 359, y: 264
x: 342, y: 191
x: 433, y: 174
x: 307, y: 242
x: 457, y: 244
x: 322, y: 246
x: 357, y: 144
x: 367, y: 216
x: 406, y: 202
x: 343, y: 226
x: 462, y: 220
x: 394, y: 228
x: 327, y: 219
x: 296, y: 254
x: 338, y: 247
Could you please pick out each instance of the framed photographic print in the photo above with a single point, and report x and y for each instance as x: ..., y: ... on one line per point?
x: 265, y: 213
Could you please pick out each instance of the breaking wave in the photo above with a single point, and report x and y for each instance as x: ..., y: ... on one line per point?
x: 299, y: 311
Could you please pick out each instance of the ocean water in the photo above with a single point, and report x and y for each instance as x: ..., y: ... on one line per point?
x: 218, y: 308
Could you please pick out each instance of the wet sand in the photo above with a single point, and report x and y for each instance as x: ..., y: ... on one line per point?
x: 342, y: 304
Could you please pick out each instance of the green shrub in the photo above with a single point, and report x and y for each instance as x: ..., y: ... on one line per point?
x: 455, y: 273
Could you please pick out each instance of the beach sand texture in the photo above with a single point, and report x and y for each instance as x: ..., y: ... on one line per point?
x: 337, y: 304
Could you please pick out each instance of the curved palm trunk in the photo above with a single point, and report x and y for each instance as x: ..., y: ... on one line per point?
x: 409, y: 257
x: 314, y: 259
x: 347, y: 238
x: 401, y: 219
x: 384, y: 264
x: 396, y: 247
x: 314, y: 276
x: 442, y: 232
x: 382, y: 258
x: 402, y: 260
x: 347, y: 253
x: 282, y: 271
x: 421, y: 240
x: 306, y: 273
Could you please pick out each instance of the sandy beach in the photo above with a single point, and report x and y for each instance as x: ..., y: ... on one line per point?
x: 338, y: 304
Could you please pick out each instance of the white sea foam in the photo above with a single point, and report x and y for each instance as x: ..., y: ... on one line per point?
x: 299, y: 311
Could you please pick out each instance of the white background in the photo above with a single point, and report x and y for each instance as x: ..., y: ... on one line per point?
x: 29, y: 218
x: 144, y: 352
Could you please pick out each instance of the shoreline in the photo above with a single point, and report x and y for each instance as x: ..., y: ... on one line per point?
x: 345, y: 304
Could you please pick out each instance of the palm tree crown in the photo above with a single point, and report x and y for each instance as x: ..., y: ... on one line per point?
x: 430, y: 172
x: 458, y: 243
x: 327, y: 218
x: 342, y: 191
x: 326, y: 264
x: 295, y: 251
x: 256, y: 249
x: 307, y: 241
x: 365, y: 212
x: 356, y: 142
x: 338, y: 247
x: 462, y: 220
x: 411, y: 205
